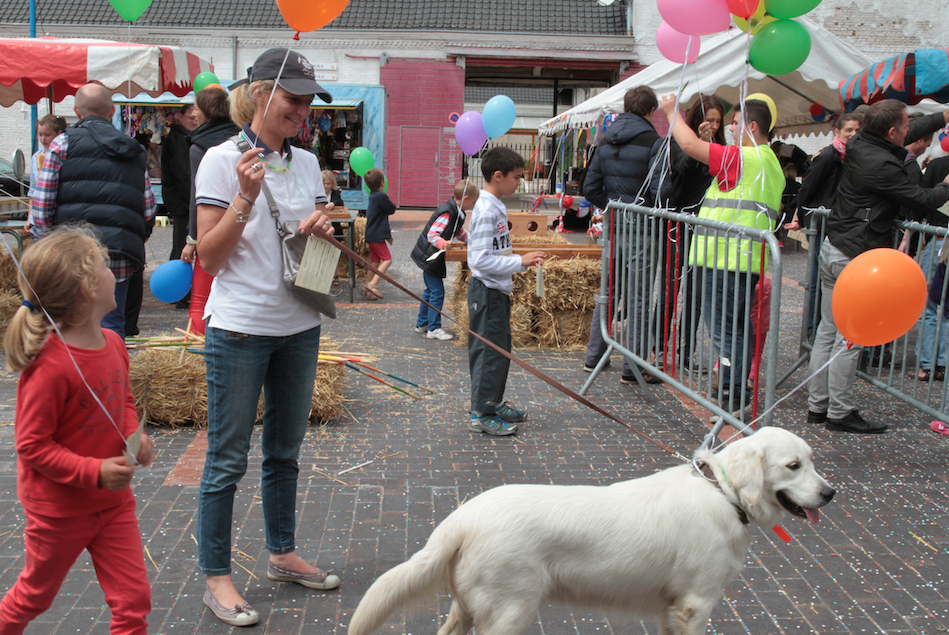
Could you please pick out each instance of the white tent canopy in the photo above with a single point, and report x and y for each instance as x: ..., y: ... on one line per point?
x: 721, y: 68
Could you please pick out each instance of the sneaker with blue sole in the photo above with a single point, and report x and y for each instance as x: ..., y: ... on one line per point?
x: 508, y: 413
x: 491, y: 424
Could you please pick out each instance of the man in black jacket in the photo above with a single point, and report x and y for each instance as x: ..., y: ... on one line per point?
x: 97, y: 174
x: 619, y: 171
x: 176, y: 176
x: 819, y: 189
x: 873, y: 188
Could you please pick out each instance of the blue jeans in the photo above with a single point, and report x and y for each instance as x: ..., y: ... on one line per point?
x: 435, y: 295
x: 929, y: 344
x: 238, y: 365
x: 728, y: 298
x: 115, y: 319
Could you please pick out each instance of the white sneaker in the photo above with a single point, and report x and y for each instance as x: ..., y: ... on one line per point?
x: 421, y: 329
x: 439, y: 334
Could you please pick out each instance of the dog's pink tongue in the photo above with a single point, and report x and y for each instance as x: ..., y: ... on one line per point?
x: 813, y: 515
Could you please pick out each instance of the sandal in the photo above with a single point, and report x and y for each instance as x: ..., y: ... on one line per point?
x: 939, y: 427
x: 374, y: 291
x: 940, y: 374
x: 366, y: 293
x: 924, y: 374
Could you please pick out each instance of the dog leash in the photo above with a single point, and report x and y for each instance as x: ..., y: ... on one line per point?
x: 536, y: 373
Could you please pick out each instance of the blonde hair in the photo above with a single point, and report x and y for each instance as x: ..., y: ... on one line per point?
x: 466, y: 189
x: 59, y: 274
x: 243, y: 106
x: 329, y: 174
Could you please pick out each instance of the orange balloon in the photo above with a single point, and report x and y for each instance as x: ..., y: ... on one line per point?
x: 878, y: 297
x: 306, y: 15
x: 218, y: 86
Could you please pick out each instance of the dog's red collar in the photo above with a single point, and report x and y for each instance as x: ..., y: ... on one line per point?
x: 707, y: 472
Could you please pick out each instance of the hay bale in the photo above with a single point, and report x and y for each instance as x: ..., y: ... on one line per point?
x: 176, y: 394
x: 560, y: 319
x: 8, y: 270
x: 10, y: 301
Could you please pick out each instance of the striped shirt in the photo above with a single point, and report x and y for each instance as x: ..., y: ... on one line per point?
x: 490, y: 255
x: 435, y: 232
x: 44, y: 204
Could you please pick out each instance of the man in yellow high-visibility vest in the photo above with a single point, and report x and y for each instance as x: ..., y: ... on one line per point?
x: 746, y: 191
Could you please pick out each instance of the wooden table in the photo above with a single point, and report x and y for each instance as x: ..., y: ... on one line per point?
x: 349, y: 218
x: 592, y: 252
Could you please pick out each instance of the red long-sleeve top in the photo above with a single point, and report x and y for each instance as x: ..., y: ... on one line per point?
x: 62, y: 434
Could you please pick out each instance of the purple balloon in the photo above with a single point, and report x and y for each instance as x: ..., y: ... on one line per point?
x: 470, y: 134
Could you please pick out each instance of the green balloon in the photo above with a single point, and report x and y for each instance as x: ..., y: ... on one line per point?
x: 130, y: 10
x: 361, y: 161
x: 785, y: 9
x: 203, y: 80
x: 779, y: 47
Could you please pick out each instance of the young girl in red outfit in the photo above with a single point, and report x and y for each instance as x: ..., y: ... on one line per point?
x: 74, y: 412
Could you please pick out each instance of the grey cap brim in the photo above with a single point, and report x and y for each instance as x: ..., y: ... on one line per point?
x: 305, y: 87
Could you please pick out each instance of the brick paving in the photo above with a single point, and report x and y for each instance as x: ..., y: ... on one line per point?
x: 876, y: 563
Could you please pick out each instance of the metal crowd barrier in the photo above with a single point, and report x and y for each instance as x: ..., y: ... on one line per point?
x: 894, y: 367
x: 658, y: 311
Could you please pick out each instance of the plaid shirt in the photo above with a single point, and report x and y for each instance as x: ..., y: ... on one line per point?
x: 44, y: 204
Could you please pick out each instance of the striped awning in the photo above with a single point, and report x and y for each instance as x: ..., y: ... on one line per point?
x: 910, y: 78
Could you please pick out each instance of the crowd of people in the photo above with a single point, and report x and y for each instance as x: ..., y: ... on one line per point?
x: 232, y: 182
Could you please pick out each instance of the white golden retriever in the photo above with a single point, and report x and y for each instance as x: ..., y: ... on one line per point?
x: 661, y: 547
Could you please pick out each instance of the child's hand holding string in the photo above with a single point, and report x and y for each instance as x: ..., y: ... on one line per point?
x: 146, y: 451
x: 114, y: 474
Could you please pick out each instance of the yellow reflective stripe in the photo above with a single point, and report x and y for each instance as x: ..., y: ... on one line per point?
x: 732, y: 203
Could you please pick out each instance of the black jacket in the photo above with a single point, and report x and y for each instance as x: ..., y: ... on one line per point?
x: 936, y: 172
x: 621, y: 162
x: 378, y: 211
x: 819, y: 188
x: 205, y: 136
x: 874, y: 187
x: 175, y: 171
x: 423, y: 249
x: 102, y: 182
x: 687, y: 183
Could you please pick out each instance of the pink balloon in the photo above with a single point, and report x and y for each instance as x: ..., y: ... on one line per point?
x: 674, y: 45
x: 470, y: 134
x: 695, y: 17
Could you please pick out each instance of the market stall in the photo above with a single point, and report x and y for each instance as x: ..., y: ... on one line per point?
x: 355, y: 118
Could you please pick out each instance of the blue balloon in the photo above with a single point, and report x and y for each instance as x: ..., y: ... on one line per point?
x: 171, y: 281
x: 498, y: 116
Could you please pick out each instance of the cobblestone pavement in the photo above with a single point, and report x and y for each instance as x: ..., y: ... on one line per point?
x: 876, y: 563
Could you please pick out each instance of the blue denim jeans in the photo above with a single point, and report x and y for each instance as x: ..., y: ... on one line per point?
x: 435, y: 295
x: 728, y: 298
x: 238, y: 365
x: 930, y: 342
x: 115, y: 319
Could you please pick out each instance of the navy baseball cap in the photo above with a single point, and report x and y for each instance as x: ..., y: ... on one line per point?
x: 297, y: 78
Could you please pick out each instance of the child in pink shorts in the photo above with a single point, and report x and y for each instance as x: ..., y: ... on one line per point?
x: 378, y: 232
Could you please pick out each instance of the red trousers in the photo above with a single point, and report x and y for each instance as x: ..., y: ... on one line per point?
x: 52, y: 547
x: 200, y: 290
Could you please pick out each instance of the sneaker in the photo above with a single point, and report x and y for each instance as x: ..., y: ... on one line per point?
x: 507, y: 413
x: 421, y: 329
x: 856, y: 424
x: 649, y: 377
x: 491, y: 424
x: 588, y: 368
x: 816, y: 417
x: 439, y: 334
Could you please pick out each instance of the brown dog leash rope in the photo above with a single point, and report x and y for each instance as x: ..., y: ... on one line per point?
x: 536, y: 373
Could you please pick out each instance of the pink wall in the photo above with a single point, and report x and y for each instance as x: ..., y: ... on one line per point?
x: 422, y: 93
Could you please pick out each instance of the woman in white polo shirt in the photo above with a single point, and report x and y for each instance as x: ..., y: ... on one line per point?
x: 258, y: 334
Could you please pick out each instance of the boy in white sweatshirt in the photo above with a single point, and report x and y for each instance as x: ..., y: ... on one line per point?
x: 492, y: 262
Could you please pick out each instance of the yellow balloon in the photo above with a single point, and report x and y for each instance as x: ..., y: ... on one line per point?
x: 771, y: 106
x: 757, y: 20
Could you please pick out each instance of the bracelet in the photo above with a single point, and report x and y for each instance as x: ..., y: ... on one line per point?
x: 190, y: 241
x: 241, y: 216
x: 239, y: 193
